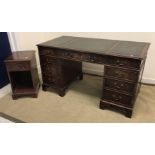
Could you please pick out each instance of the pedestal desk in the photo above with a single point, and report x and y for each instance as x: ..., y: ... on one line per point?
x: 61, y: 62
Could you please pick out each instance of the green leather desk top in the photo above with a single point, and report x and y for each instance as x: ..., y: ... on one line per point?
x: 136, y: 50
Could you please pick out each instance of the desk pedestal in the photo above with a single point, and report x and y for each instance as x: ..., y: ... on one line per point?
x: 59, y: 73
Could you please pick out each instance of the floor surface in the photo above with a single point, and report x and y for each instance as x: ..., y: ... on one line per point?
x: 79, y: 105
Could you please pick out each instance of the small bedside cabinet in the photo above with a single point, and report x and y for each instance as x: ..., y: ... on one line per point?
x: 23, y: 74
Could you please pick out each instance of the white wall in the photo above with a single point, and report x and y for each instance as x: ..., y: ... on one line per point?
x: 28, y: 40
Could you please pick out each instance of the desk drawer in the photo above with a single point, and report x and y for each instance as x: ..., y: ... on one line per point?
x: 125, y: 62
x: 46, y: 59
x: 123, y: 74
x: 119, y: 98
x: 66, y: 54
x: 48, y: 69
x: 94, y: 58
x: 49, y: 65
x: 48, y: 79
x: 46, y: 51
x: 119, y: 85
x: 18, y: 66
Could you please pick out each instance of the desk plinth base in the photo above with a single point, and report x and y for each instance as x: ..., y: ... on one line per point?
x: 61, y: 91
x: 126, y: 111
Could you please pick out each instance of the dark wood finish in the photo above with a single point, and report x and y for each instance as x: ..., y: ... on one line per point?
x: 124, y: 74
x: 120, y: 85
x: 23, y: 74
x: 61, y: 58
x: 117, y: 97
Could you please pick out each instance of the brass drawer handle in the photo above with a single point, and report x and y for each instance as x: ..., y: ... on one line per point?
x: 122, y: 85
x: 115, y: 83
x: 116, y: 98
x: 49, y: 60
x: 118, y: 85
x: 121, y: 63
x: 118, y: 61
x: 46, y: 51
x: 113, y: 96
x: 67, y: 54
x: 120, y: 74
x: 91, y: 58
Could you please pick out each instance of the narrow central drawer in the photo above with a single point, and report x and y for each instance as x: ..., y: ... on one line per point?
x: 123, y: 74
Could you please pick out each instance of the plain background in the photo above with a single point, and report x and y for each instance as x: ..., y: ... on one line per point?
x: 77, y: 16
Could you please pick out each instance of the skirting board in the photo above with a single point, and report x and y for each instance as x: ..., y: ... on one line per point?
x: 148, y: 81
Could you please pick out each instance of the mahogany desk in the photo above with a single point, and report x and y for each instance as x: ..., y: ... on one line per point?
x: 61, y: 62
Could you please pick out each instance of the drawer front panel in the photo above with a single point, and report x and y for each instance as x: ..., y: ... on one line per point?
x: 46, y: 59
x: 119, y: 85
x: 69, y: 55
x: 46, y: 51
x: 94, y: 58
x: 48, y: 79
x: 121, y: 73
x: 48, y: 69
x: 64, y: 54
x: 125, y: 62
x: 118, y: 98
x: 18, y: 66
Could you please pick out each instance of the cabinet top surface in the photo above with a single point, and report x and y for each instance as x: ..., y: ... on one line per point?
x: 100, y: 46
x: 20, y: 56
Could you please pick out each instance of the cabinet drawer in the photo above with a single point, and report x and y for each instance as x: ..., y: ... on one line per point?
x: 46, y: 51
x: 125, y: 62
x: 48, y: 79
x: 48, y: 69
x: 116, y: 97
x: 49, y: 65
x: 18, y: 66
x: 119, y: 85
x: 123, y: 74
x: 46, y: 59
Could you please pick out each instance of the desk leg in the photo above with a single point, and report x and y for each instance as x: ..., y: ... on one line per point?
x: 80, y: 77
x: 61, y: 92
x: 44, y: 88
x: 128, y: 113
